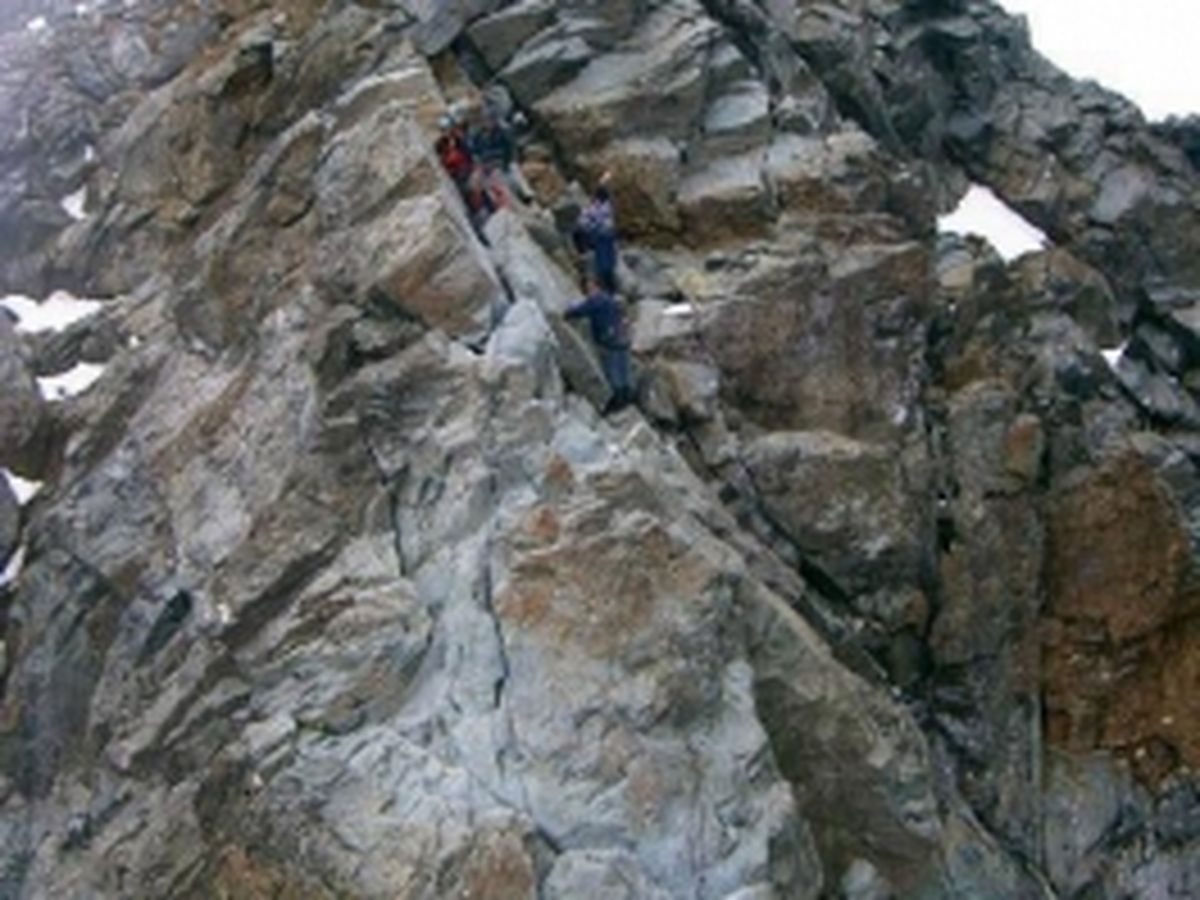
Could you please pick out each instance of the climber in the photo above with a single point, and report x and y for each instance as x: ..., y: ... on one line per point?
x: 495, y: 152
x: 596, y: 231
x: 453, y: 151
x: 607, y: 321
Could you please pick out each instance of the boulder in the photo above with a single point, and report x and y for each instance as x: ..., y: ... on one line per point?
x: 543, y: 66
x: 844, y: 504
x: 727, y: 200
x: 500, y: 35
x: 736, y: 121
x: 826, y: 175
x: 1055, y: 279
x: 805, y: 343
x: 649, y: 86
x: 439, y: 23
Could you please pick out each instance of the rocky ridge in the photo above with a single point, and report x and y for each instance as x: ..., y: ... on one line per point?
x: 340, y: 586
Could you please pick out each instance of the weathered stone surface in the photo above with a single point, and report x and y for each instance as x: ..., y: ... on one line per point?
x: 1122, y: 596
x: 652, y: 85
x: 534, y: 277
x: 725, y: 200
x: 339, y: 585
x: 808, y: 343
x: 821, y: 175
x: 499, y: 36
x: 984, y: 638
x: 844, y: 503
x: 439, y: 23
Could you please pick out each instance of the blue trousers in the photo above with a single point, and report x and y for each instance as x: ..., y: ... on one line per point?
x: 615, y: 361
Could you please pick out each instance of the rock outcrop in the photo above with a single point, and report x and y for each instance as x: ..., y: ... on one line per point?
x: 340, y: 585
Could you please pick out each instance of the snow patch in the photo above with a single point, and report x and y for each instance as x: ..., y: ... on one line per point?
x: 13, y: 569
x: 984, y: 214
x: 36, y: 24
x: 73, y: 381
x: 679, y: 309
x: 1113, y: 356
x: 55, y: 313
x: 73, y: 204
x: 23, y: 489
x: 89, y: 153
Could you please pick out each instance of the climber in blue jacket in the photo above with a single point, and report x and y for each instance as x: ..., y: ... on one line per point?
x: 607, y: 321
x: 596, y: 230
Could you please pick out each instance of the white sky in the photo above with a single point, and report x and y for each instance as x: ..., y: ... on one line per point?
x: 1144, y: 49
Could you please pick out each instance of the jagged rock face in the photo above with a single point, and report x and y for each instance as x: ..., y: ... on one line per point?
x: 340, y: 586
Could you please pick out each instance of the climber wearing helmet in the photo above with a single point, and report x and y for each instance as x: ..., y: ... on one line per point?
x: 453, y: 151
x: 596, y: 230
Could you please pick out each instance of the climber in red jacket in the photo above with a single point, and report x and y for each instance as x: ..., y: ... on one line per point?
x: 454, y: 152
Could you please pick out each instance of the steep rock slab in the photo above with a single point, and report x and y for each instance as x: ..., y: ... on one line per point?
x: 394, y: 232
x: 863, y: 775
x: 533, y: 276
x: 984, y: 640
x: 576, y: 692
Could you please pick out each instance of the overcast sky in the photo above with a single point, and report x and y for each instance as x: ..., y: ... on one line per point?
x: 1144, y: 49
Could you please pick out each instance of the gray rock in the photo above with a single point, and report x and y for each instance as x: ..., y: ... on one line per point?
x: 843, y: 502
x: 862, y: 881
x: 439, y: 23
x: 1119, y: 194
x: 736, y: 121
x: 537, y: 71
x: 499, y: 36
x: 533, y: 276
x: 650, y: 86
x: 725, y: 200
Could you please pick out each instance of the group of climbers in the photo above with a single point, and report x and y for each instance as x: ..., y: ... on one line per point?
x: 481, y: 160
x: 595, y: 233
